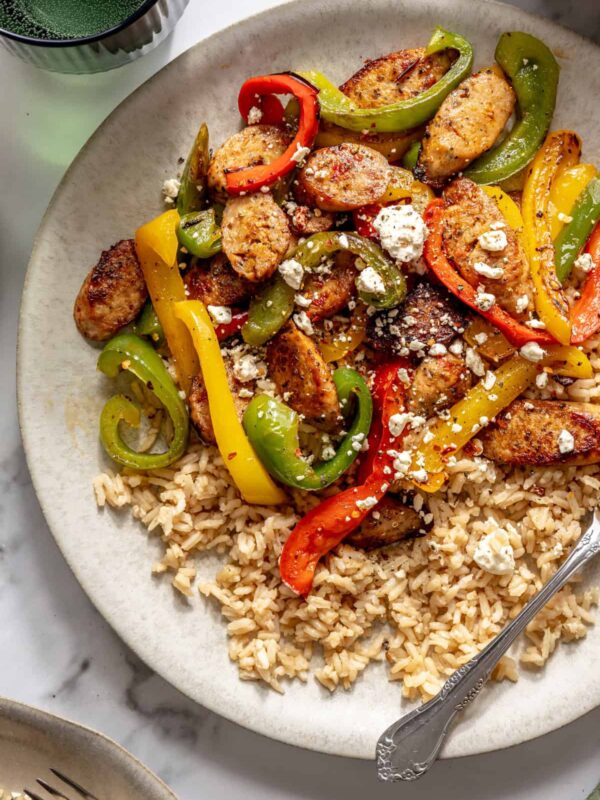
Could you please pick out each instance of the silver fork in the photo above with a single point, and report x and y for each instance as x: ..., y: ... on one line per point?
x: 407, y: 749
x: 61, y: 788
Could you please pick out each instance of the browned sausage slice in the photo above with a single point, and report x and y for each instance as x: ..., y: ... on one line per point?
x: 113, y: 293
x: 544, y: 432
x: 330, y: 292
x: 343, y: 177
x: 218, y: 284
x: 256, y: 235
x: 466, y: 125
x: 438, y: 383
x: 254, y: 145
x: 305, y: 221
x: 390, y: 522
x: 469, y: 215
x: 303, y: 378
x: 199, y: 408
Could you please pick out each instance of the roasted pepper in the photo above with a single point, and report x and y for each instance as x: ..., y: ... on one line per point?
x: 533, y: 72
x: 250, y: 179
x: 341, y: 343
x: 584, y: 216
x: 586, y: 311
x: 249, y: 475
x: 438, y: 263
x: 410, y: 158
x: 147, y: 324
x: 199, y: 233
x: 269, y: 310
x: 392, y: 146
x: 561, y: 149
x: 510, y: 210
x: 566, y: 188
x: 326, y: 525
x: 156, y: 247
x: 272, y: 428
x: 129, y: 352
x: 405, y: 114
x: 193, y: 179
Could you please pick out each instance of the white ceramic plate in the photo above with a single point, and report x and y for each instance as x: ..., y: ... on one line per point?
x: 113, y: 185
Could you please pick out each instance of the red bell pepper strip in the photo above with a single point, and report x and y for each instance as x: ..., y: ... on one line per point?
x: 249, y: 179
x: 227, y: 329
x: 585, y: 314
x: 327, y: 524
x: 363, y: 220
x: 270, y: 107
x: 516, y: 333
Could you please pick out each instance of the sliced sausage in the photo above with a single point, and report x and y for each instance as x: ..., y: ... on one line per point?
x: 438, y: 383
x: 303, y: 378
x: 544, y: 432
x: 254, y: 145
x: 256, y: 235
x: 396, y: 76
x: 305, y: 221
x: 343, y: 177
x: 199, y: 408
x: 466, y: 125
x: 218, y: 284
x: 113, y: 293
x: 428, y: 316
x: 330, y: 292
x: 469, y: 214
x: 390, y: 522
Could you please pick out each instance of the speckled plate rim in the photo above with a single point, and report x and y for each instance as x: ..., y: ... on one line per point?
x: 258, y: 715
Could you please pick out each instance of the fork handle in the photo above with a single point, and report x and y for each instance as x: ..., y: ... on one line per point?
x: 407, y: 749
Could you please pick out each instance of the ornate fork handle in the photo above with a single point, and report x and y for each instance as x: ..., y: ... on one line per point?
x: 407, y: 749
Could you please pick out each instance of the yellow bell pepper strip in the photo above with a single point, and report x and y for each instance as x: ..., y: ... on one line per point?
x: 494, y: 346
x: 510, y: 210
x: 467, y: 417
x: 249, y: 475
x: 561, y: 148
x: 128, y: 352
x: 566, y: 188
x: 156, y: 246
x: 533, y: 72
x: 391, y: 145
x: 405, y: 114
x: 569, y: 361
x: 344, y: 342
x: 193, y: 179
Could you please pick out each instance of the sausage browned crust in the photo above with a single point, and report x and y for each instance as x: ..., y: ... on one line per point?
x: 113, y: 293
x: 428, y: 316
x: 343, y: 177
x: 330, y: 292
x: 469, y: 214
x: 529, y: 432
x: 303, y: 378
x: 438, y: 383
x: 199, y: 408
x: 466, y: 125
x: 254, y: 145
x: 305, y: 221
x: 390, y: 522
x: 218, y: 284
x: 256, y: 235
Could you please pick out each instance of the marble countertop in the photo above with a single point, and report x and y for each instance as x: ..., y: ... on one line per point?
x: 57, y: 652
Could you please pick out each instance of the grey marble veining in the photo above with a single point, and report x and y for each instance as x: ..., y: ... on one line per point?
x: 58, y: 653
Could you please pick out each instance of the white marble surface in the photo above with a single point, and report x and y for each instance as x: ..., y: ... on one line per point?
x: 57, y: 652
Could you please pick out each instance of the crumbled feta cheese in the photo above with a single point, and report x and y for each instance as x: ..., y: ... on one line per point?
x: 254, y: 115
x: 301, y: 153
x: 456, y: 347
x: 220, y: 314
x: 541, y: 380
x: 487, y: 271
x: 170, y: 189
x: 370, y: 281
x: 428, y: 437
x: 343, y: 240
x: 247, y: 368
x: 494, y: 241
x: 474, y: 362
x: 536, y: 323
x: 489, y: 380
x: 437, y: 349
x: 494, y: 553
x: 532, y: 351
x: 403, y: 376
x: 521, y: 303
x: 484, y: 300
x: 402, y: 232
x: 419, y: 475
x: 456, y: 427
x: 328, y: 452
x: 303, y: 322
x: 562, y: 217
x: 367, y: 503
x: 566, y: 442
x: 584, y: 262
x: 481, y: 338
x: 302, y: 301
x: 292, y: 272
x: 397, y: 423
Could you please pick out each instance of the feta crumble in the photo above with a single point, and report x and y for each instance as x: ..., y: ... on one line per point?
x: 367, y: 503
x: 402, y: 232
x: 484, y: 300
x: 303, y: 322
x: 487, y: 271
x: 220, y: 314
x: 584, y: 262
x: 254, y: 115
x: 370, y: 281
x: 474, y: 362
x: 566, y: 442
x: 494, y: 241
x: 247, y: 368
x: 170, y: 189
x: 301, y: 153
x: 494, y: 553
x: 292, y: 272
x: 521, y: 303
x: 532, y: 352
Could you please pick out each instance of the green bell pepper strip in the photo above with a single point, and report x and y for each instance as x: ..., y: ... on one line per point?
x: 405, y: 114
x: 273, y: 306
x: 148, y: 325
x: 272, y: 428
x: 193, y: 179
x: 570, y: 241
x: 410, y: 158
x: 534, y: 73
x: 127, y: 351
x: 199, y: 233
